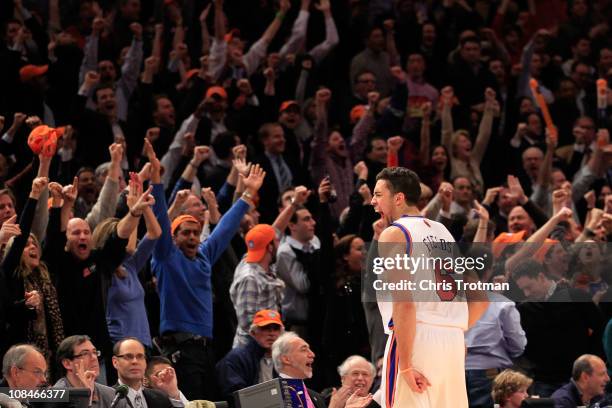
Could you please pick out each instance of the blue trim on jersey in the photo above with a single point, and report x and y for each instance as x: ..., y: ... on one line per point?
x: 406, y: 235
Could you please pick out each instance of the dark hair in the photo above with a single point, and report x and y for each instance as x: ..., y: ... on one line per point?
x: 65, y: 351
x: 223, y: 143
x: 264, y: 130
x: 156, y: 99
x: 372, y: 139
x: 342, y: 248
x: 100, y: 87
x: 528, y: 268
x: 118, y: 344
x: 364, y: 71
x: 294, y: 216
x: 280, y: 196
x: 402, y: 180
x: 582, y: 365
x: 471, y: 38
x: 155, y: 360
x: 85, y: 170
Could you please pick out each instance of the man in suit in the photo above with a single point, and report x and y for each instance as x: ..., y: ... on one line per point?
x: 129, y: 359
x: 293, y: 359
x: 78, y: 359
x: 281, y: 173
x: 577, y: 155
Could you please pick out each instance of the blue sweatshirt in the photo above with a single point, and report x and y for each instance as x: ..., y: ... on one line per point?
x: 126, y: 315
x: 184, y: 285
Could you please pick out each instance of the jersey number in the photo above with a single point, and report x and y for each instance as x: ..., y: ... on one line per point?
x: 445, y: 280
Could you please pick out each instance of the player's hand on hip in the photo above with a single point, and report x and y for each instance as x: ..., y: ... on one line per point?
x: 416, y: 381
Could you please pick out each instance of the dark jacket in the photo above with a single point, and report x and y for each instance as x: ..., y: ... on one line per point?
x: 240, y: 368
x: 558, y: 332
x: 568, y: 396
x: 156, y: 399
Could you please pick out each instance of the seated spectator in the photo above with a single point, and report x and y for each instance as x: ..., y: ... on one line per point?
x: 510, y: 389
x: 160, y: 375
x: 129, y: 359
x: 256, y: 285
x: 587, y: 385
x: 293, y: 359
x: 78, y: 360
x: 24, y: 367
x: 251, y: 363
x: 357, y: 375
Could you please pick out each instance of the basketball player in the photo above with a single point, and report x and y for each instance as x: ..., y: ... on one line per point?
x: 425, y: 354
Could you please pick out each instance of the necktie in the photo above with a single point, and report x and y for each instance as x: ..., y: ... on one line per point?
x: 309, y: 402
x: 283, y: 173
x: 138, y: 401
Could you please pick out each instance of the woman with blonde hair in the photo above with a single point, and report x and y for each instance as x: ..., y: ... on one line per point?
x: 510, y: 389
x: 465, y: 159
x: 37, y: 320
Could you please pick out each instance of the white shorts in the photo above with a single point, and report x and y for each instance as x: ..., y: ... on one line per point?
x: 439, y: 354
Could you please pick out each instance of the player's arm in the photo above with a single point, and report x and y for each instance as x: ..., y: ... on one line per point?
x: 391, y: 243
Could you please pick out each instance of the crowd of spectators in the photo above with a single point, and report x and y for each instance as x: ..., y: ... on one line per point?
x: 187, y: 184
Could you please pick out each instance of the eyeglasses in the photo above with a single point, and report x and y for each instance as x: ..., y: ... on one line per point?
x: 83, y: 354
x: 130, y: 356
x: 37, y: 372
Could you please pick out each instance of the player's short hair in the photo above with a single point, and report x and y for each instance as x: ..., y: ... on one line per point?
x: 507, y: 383
x: 402, y: 180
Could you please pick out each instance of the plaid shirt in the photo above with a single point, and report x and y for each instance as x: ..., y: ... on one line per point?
x: 253, y: 289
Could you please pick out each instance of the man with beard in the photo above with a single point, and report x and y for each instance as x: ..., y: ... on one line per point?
x: 256, y: 285
x: 251, y: 363
x: 293, y: 361
x: 78, y: 359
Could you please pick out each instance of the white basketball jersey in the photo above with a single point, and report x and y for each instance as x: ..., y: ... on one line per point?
x: 427, y: 239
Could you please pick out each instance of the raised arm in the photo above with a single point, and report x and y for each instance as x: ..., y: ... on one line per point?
x: 332, y: 39
x: 486, y: 126
x: 257, y: 52
x: 229, y: 223
x: 130, y: 70
x: 204, y: 30
x: 90, y: 52
x: 425, y: 134
x: 13, y: 257
x: 298, y: 32
x: 446, y: 100
x: 106, y: 205
x: 282, y: 220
